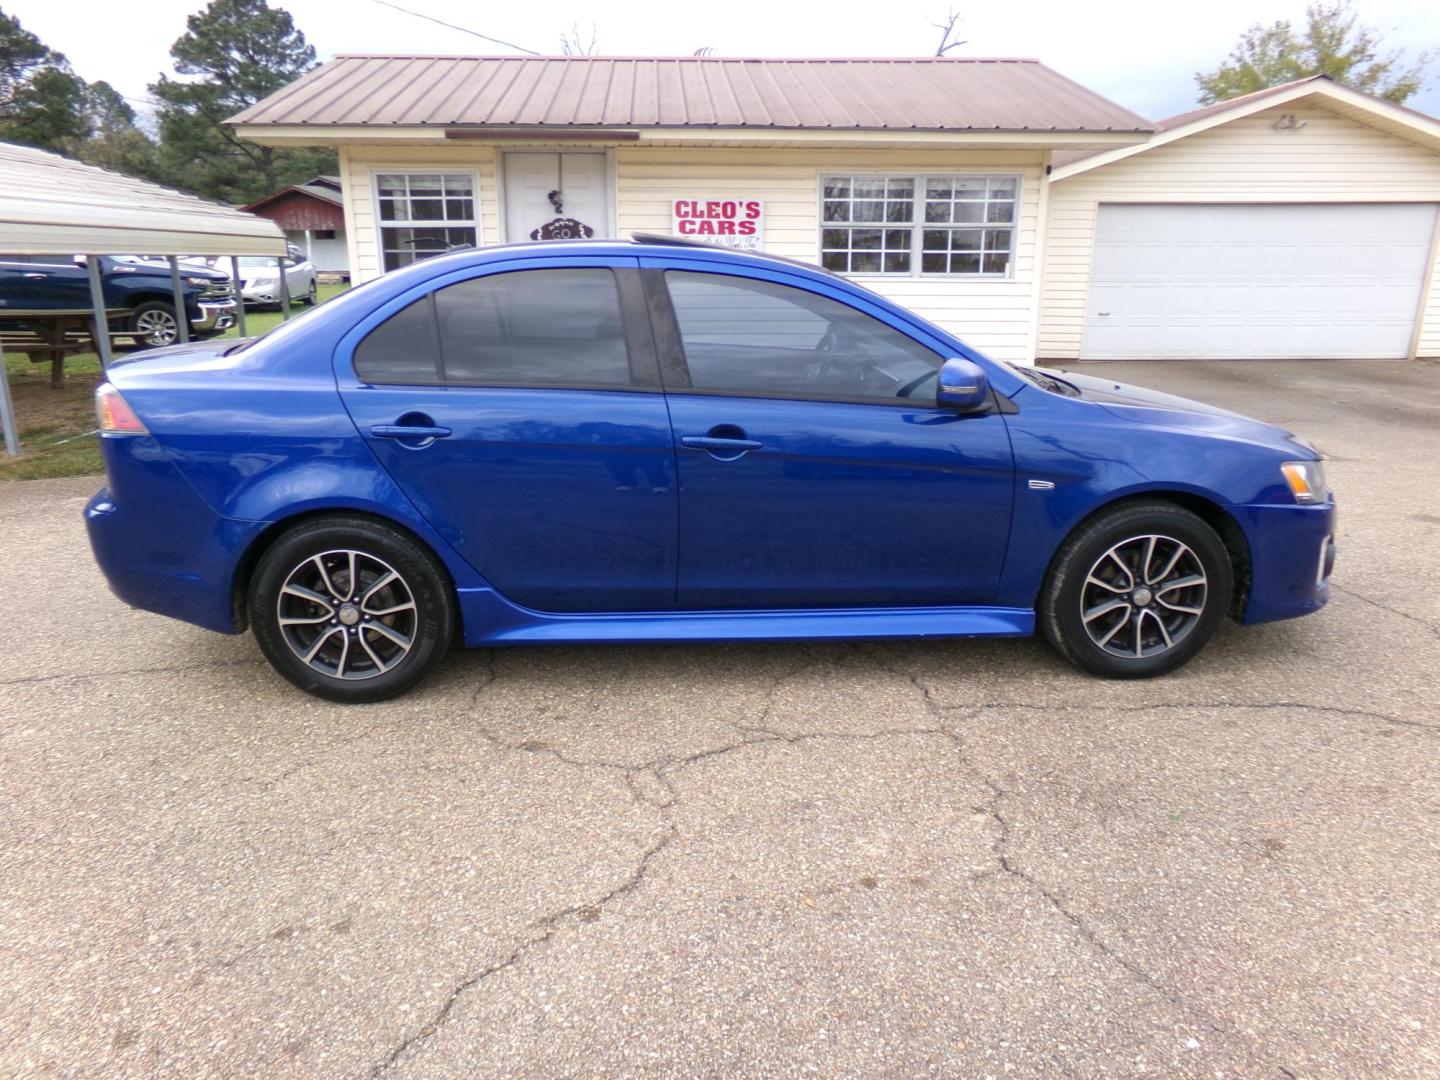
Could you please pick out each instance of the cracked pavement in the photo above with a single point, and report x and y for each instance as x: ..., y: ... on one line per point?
x: 900, y: 859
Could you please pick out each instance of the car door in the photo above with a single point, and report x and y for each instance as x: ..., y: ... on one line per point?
x: 42, y: 281
x: 298, y: 273
x: 520, y: 409
x: 815, y: 468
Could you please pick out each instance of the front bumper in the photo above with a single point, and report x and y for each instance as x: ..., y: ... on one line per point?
x: 215, y: 316
x: 269, y: 293
x: 1292, y: 553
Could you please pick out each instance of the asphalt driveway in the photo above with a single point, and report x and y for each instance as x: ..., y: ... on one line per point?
x: 959, y: 859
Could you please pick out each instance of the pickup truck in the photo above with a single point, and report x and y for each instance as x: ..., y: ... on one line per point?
x: 140, y: 286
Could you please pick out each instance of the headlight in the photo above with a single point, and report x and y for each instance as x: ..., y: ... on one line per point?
x: 261, y: 283
x: 1306, y: 480
x: 199, y: 282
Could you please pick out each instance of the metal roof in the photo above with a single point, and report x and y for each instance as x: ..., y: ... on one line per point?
x: 51, y: 205
x: 912, y: 94
x: 324, y: 188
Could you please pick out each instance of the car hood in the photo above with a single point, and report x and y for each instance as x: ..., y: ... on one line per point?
x: 1142, y: 406
x: 160, y: 266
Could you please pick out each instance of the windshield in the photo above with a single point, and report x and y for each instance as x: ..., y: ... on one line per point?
x: 256, y: 262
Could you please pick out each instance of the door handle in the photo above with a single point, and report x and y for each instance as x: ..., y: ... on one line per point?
x: 710, y: 442
x: 406, y: 432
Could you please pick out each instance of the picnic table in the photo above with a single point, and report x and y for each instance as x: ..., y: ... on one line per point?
x: 52, y: 334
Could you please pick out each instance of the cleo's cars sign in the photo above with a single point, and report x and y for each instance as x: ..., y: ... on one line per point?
x: 737, y: 223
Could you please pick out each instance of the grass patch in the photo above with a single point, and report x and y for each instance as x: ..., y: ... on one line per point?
x: 57, y: 426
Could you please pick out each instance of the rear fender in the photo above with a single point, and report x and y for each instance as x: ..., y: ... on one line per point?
x: 311, y: 487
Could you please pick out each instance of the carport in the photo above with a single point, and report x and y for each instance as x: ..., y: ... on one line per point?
x: 51, y: 205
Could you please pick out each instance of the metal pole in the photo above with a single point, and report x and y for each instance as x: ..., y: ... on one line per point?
x: 182, y: 317
x: 284, y: 291
x: 7, y: 411
x: 97, y: 301
x: 239, y: 300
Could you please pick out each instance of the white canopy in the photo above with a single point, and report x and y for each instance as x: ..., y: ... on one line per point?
x: 51, y: 205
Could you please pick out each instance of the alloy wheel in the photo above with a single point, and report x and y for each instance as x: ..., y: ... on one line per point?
x: 1143, y: 596
x: 157, y: 327
x: 347, y: 614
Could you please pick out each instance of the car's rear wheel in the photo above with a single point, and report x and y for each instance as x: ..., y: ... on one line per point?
x: 350, y: 609
x: 153, y: 324
x: 1137, y: 592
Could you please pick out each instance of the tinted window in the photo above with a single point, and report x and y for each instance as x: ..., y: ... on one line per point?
x: 534, y: 327
x: 747, y: 336
x: 528, y: 328
x: 402, y: 349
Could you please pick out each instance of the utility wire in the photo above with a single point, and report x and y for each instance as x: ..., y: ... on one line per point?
x: 462, y: 29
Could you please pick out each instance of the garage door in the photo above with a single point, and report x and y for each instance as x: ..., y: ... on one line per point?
x: 1236, y: 282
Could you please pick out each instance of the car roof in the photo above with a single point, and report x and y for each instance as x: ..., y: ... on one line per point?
x: 638, y: 245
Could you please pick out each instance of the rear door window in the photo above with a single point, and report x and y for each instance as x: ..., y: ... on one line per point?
x: 554, y: 327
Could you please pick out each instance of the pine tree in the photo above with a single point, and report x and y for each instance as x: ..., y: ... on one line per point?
x: 239, y: 52
x: 42, y: 102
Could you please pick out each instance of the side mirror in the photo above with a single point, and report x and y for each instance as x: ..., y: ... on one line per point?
x: 963, y: 385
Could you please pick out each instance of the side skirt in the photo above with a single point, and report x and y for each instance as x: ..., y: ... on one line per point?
x: 490, y: 619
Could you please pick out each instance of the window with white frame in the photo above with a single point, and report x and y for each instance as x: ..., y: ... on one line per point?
x: 952, y: 225
x: 424, y: 214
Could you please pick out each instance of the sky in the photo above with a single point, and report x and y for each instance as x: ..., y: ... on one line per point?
x: 1140, y: 53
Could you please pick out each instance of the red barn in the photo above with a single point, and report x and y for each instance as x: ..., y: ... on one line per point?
x: 313, y: 218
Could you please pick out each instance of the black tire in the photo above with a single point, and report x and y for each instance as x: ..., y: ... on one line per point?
x: 311, y: 295
x: 428, y: 624
x: 1165, y: 621
x: 153, y: 313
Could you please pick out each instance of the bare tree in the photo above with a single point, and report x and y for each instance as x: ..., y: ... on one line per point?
x: 947, y: 30
x: 573, y: 43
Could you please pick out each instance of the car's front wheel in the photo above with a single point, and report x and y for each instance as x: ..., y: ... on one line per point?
x: 312, y: 294
x: 350, y: 609
x: 1137, y: 592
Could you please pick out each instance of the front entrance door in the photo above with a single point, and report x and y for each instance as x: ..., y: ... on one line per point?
x: 555, y: 196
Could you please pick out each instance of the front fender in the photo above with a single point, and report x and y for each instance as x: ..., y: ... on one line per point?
x: 1094, y: 460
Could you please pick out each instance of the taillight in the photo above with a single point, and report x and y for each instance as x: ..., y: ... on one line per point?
x: 114, y: 413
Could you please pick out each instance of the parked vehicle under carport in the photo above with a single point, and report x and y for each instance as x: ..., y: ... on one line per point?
x: 140, y: 286
x: 259, y: 283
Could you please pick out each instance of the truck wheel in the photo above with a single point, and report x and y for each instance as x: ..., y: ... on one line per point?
x: 153, y: 323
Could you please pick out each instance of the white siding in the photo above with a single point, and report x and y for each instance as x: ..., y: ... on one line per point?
x: 330, y: 256
x: 992, y: 314
x: 1332, y: 159
x: 357, y: 163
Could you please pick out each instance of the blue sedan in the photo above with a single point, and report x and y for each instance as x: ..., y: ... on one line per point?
x: 656, y: 441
